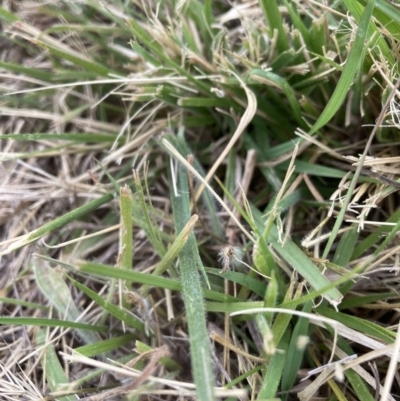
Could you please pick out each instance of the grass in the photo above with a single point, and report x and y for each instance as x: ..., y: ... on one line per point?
x: 199, y: 200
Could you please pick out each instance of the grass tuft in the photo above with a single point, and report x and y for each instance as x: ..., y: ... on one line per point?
x: 199, y: 200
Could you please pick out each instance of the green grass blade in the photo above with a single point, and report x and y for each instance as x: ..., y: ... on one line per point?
x: 274, y: 18
x: 175, y: 248
x: 105, y: 346
x: 282, y: 320
x: 142, y: 278
x: 39, y: 322
x: 373, y: 238
x: 25, y: 304
x: 346, y: 246
x: 120, y: 313
x: 354, y: 60
x: 8, y: 17
x: 362, y: 325
x: 271, y: 296
x: 145, y: 210
x: 302, y: 264
x: 55, y: 375
x: 357, y: 301
x: 388, y: 15
x: 243, y: 279
x: 273, y: 374
x: 57, y: 223
x: 275, y: 80
x: 379, y: 46
x: 193, y: 295
x: 156, y: 49
x: 59, y: 295
x: 355, y: 380
x: 181, y: 145
x: 295, y: 351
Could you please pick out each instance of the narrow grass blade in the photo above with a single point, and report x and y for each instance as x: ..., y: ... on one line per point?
x: 119, y: 313
x: 362, y: 325
x: 39, y: 322
x: 275, y: 81
x: 243, y: 279
x: 25, y: 304
x: 142, y: 278
x: 346, y: 246
x: 145, y: 209
x: 126, y: 204
x: 176, y: 247
x: 354, y: 60
x: 373, y: 238
x: 302, y: 264
x: 271, y: 296
x: 54, y: 372
x: 357, y: 301
x: 388, y: 15
x: 8, y: 17
x: 105, y: 346
x: 354, y: 378
x: 156, y: 49
x: 183, y: 148
x: 231, y: 307
x: 203, y: 102
x: 57, y: 223
x: 274, y: 18
x: 379, y: 45
x: 193, y: 295
x: 296, y: 351
x: 273, y: 374
x: 282, y: 320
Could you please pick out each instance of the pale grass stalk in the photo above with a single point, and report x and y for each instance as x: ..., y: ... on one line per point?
x: 127, y: 80
x: 237, y: 350
x: 126, y: 371
x: 308, y: 242
x: 130, y: 119
x: 20, y: 384
x: 177, y: 155
x: 364, y: 374
x: 124, y: 150
x: 315, y: 318
x: 329, y: 371
x: 359, y: 338
x: 244, y: 121
x: 83, y: 237
x: 299, y: 132
x: 373, y: 223
x: 387, y: 254
x: 58, y: 118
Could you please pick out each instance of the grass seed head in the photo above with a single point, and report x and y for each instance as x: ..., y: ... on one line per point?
x: 230, y: 256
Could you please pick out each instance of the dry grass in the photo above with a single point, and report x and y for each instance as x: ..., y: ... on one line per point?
x: 126, y: 274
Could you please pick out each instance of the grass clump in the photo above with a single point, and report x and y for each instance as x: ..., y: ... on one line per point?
x: 199, y: 200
